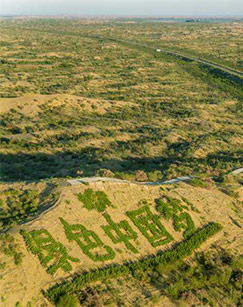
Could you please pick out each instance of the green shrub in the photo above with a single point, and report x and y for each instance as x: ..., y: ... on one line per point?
x: 209, y: 273
x: 197, y: 182
x: 19, y: 206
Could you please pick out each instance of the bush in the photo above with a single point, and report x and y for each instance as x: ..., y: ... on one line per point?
x: 155, y: 176
x: 141, y: 176
x: 19, y: 206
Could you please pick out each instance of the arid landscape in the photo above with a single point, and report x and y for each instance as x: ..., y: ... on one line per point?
x: 119, y: 141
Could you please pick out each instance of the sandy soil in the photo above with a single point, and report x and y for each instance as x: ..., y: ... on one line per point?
x: 30, y: 104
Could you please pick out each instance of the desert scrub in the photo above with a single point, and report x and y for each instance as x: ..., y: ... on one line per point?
x: 10, y: 248
x: 17, y: 206
x: 47, y: 249
x: 213, y: 274
x: 88, y: 240
x: 180, y: 251
x: 150, y: 226
x: 94, y: 200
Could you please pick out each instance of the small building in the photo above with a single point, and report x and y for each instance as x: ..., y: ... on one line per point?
x: 158, y: 50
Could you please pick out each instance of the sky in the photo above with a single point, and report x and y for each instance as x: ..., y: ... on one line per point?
x: 123, y: 7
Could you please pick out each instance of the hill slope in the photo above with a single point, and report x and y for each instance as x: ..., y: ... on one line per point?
x: 80, y: 204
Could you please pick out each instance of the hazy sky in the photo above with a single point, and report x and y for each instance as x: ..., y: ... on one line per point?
x: 123, y: 7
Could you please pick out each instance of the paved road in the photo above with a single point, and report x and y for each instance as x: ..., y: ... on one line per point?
x: 107, y: 179
x: 237, y: 171
x: 222, y: 68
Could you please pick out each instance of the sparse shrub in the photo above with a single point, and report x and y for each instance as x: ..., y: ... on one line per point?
x: 105, y: 173
x: 10, y: 248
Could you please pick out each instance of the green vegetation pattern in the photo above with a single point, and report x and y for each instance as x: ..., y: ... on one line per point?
x: 115, y: 231
x: 150, y: 226
x: 88, y: 240
x: 47, y: 249
x: 174, y: 210
x: 94, y: 200
x: 180, y: 251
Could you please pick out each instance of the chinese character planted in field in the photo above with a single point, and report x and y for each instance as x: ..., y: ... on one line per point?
x: 184, y: 221
x: 48, y: 250
x: 150, y: 226
x: 88, y: 241
x: 120, y: 232
x: 173, y: 210
x: 94, y: 200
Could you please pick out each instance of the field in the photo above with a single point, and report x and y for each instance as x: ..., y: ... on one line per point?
x: 94, y: 97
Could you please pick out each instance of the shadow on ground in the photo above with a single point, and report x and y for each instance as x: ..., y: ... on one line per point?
x: 23, y: 166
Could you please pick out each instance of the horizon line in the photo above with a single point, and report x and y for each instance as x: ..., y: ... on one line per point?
x: 121, y: 16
